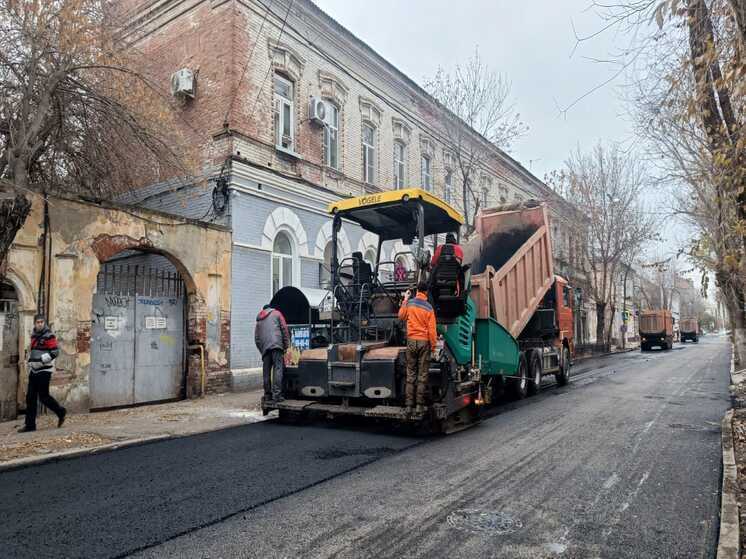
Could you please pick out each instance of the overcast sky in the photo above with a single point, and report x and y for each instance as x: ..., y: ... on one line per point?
x: 531, y: 42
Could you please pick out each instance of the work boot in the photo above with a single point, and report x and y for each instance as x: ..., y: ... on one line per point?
x: 61, y: 418
x: 26, y: 429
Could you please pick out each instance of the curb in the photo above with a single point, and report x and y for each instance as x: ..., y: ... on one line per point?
x: 21, y: 463
x: 29, y: 461
x: 729, y: 537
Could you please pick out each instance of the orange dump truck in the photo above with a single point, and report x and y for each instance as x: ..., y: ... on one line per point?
x: 656, y: 329
x: 524, y: 317
x: 689, y: 329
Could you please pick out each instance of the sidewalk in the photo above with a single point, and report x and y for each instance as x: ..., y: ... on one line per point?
x: 95, y: 432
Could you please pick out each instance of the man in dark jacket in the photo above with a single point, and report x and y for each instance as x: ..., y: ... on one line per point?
x: 42, y: 353
x: 272, y: 339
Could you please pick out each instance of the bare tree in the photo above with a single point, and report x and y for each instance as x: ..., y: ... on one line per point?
x: 76, y: 117
x: 606, y: 185
x: 479, y: 117
x: 690, y: 102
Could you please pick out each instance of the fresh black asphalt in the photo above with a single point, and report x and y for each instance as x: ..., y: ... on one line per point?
x: 624, y: 462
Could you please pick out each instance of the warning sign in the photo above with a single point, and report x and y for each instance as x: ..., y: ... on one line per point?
x: 111, y: 323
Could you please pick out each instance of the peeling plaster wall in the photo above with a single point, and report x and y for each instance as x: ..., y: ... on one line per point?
x: 84, y: 235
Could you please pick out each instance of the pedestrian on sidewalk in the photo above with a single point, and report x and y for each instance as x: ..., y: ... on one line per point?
x: 42, y: 353
x: 272, y: 339
x: 421, y: 341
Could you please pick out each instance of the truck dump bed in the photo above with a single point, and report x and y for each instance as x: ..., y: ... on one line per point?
x: 511, y: 263
x: 656, y: 322
x: 689, y: 325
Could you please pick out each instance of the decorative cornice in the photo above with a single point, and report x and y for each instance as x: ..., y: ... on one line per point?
x: 370, y: 110
x: 402, y: 130
x: 332, y: 87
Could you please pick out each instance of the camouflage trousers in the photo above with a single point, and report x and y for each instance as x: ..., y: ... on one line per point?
x: 418, y: 366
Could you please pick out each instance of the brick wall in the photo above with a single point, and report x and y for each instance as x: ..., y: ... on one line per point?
x: 221, y: 39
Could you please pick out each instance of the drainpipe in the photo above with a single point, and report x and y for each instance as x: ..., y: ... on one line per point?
x: 45, y: 278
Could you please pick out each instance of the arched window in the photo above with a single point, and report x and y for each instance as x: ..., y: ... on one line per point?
x: 370, y: 257
x: 369, y: 153
x: 448, y: 190
x: 426, y: 175
x: 325, y: 276
x: 400, y: 166
x: 331, y: 137
x: 282, y: 262
x: 283, y: 113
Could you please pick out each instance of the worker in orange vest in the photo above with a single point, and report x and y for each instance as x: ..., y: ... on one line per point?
x: 421, y: 340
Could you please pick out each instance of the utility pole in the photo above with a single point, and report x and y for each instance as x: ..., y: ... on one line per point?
x: 625, y: 316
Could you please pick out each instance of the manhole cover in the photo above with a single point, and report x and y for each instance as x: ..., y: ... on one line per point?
x: 480, y: 521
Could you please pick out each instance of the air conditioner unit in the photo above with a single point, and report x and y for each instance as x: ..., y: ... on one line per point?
x: 182, y: 83
x: 317, y: 111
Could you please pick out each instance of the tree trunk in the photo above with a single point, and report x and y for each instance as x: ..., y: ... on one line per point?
x: 609, y: 330
x: 13, y: 213
x: 600, y: 322
x: 734, y: 302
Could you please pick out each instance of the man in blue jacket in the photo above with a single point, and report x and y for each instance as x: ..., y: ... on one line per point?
x: 272, y: 339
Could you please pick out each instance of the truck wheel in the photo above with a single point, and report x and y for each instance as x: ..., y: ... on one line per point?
x: 519, y: 383
x: 534, y: 372
x: 563, y: 377
x: 696, y: 340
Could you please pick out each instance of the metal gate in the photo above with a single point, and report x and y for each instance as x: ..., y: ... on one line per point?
x: 8, y: 356
x: 137, y: 337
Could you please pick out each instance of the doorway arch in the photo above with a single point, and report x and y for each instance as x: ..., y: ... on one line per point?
x: 9, y: 351
x: 139, y: 334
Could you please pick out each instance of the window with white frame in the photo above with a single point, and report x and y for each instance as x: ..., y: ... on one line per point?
x: 331, y: 137
x: 484, y: 201
x: 426, y: 177
x: 325, y: 272
x: 448, y: 190
x: 283, y: 104
x: 370, y: 257
x: 369, y: 153
x: 282, y: 262
x: 400, y: 165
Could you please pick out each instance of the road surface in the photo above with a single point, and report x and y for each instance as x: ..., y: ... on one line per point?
x: 623, y: 462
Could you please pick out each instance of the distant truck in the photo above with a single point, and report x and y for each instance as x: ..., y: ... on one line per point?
x: 656, y: 329
x: 689, y: 330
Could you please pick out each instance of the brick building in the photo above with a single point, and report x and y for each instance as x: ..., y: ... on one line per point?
x: 139, y: 301
x: 258, y: 69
